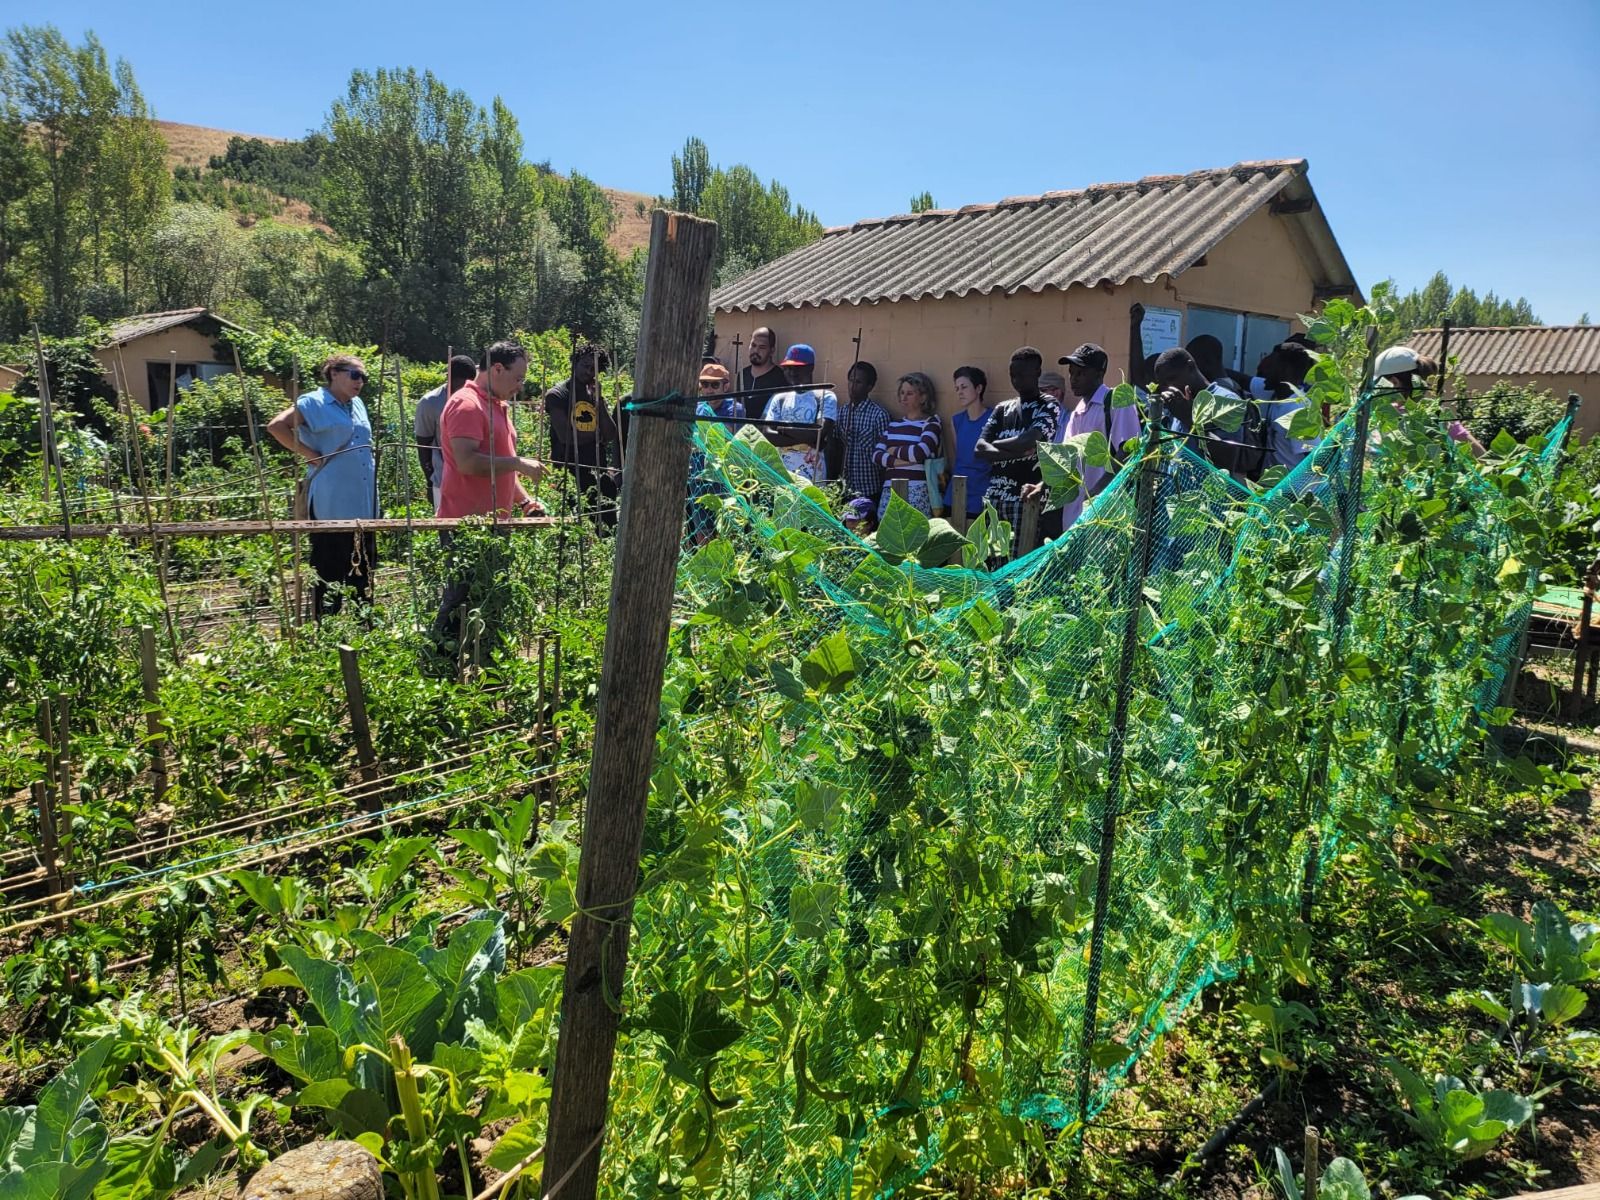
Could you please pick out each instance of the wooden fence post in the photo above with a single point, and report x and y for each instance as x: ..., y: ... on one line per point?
x: 49, y: 843
x: 671, y: 333
x: 154, y: 721
x: 899, y: 488
x: 1028, y: 527
x: 355, y: 698
x: 958, y: 503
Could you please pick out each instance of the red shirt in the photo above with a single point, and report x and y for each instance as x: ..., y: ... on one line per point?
x: 470, y: 413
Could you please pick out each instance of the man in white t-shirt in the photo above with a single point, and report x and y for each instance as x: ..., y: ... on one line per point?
x: 804, y: 406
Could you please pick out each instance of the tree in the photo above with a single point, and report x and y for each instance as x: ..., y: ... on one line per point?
x: 506, y: 237
x: 758, y: 222
x: 402, y: 179
x: 923, y: 203
x: 132, y: 178
x: 691, y: 172
x: 195, y: 258
x: 66, y: 97
x: 1428, y: 306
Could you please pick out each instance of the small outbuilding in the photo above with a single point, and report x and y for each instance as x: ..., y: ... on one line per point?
x: 1238, y: 252
x: 141, y: 354
x: 1562, y: 358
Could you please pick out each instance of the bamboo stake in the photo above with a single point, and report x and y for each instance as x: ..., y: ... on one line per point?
x: 285, y: 626
x: 958, y: 503
x: 1313, y: 1162
x: 299, y: 579
x: 49, y: 849
x: 149, y: 512
x: 48, y: 434
x: 64, y: 766
x: 154, y: 721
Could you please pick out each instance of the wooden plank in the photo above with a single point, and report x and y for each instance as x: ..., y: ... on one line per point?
x: 671, y: 333
x: 958, y: 503
x: 39, y: 533
x: 1583, y: 1191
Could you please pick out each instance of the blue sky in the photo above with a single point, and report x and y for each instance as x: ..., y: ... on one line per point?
x: 1462, y: 136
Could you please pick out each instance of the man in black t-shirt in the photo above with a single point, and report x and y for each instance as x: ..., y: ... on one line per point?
x: 763, y: 372
x: 583, y: 432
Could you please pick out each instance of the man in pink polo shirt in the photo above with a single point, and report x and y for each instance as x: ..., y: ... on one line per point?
x: 481, y: 463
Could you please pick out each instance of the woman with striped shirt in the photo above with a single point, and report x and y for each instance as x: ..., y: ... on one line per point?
x: 909, y: 442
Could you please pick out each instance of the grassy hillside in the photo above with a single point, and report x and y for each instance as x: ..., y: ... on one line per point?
x: 193, y: 146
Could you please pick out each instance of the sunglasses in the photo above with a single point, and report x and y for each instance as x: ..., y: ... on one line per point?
x: 358, y: 376
x: 713, y: 384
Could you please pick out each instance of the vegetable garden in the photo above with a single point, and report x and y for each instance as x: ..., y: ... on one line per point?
x: 935, y: 854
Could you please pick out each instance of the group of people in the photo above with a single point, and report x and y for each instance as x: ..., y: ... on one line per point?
x: 870, y: 443
x: 466, y: 439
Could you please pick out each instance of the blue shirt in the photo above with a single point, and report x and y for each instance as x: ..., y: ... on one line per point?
x: 965, y: 431
x: 342, y: 487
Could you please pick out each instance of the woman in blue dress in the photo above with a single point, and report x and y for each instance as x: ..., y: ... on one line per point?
x: 329, y: 429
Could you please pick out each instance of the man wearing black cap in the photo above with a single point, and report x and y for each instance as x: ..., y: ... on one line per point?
x: 1091, y: 412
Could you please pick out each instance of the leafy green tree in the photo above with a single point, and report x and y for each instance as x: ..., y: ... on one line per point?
x: 195, y: 258
x: 691, y: 172
x: 503, y: 258
x: 1427, y: 306
x: 923, y: 203
x: 402, y: 183
x: 67, y: 99
x: 758, y: 221
x: 131, y: 183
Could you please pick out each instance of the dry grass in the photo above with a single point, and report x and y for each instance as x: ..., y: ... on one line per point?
x: 193, y: 146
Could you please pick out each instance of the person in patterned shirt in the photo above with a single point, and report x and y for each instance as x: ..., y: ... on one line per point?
x: 862, y: 421
x: 1013, y: 435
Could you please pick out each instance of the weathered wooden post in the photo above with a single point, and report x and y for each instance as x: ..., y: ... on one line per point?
x: 1028, y: 527
x: 154, y: 723
x: 355, y: 698
x: 671, y: 332
x: 958, y: 503
x: 899, y: 488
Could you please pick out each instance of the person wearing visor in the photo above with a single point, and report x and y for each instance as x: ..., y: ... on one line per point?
x: 1402, y: 369
x: 803, y: 405
x: 329, y: 429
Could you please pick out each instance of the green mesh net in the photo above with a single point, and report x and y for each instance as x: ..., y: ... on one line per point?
x: 865, y: 944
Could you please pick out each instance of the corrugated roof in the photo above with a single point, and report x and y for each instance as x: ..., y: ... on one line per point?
x: 1503, y: 351
x: 121, y: 332
x: 1107, y: 233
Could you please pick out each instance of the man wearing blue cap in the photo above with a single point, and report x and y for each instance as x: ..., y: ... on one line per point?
x: 802, y: 453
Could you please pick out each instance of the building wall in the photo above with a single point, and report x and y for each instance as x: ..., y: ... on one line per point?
x: 1587, y: 386
x: 183, y: 345
x: 1255, y: 270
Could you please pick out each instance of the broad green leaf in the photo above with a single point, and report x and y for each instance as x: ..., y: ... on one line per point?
x: 942, y: 544
x: 351, y: 1110
x: 1213, y: 413
x: 1561, y: 1002
x: 667, y: 1016
x: 818, y: 805
x: 787, y: 682
x: 1507, y: 1107
x: 983, y: 620
x: 308, y: 1055
x: 410, y: 1003
x: 1487, y: 1003
x: 1511, y: 569
x: 1304, y: 423
x: 465, y: 971
x: 831, y: 665
x: 1503, y: 444
x: 1061, y: 469
x: 1342, y: 1180
x: 711, y: 1030
x: 59, y: 1104
x: 340, y: 1004
x: 1514, y: 934
x: 903, y: 529
x: 811, y: 908
x: 526, y: 993
x: 515, y: 1144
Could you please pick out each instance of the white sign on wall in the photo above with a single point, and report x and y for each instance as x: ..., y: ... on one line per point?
x: 1161, y: 329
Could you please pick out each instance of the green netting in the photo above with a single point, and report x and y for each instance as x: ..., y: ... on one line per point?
x: 865, y: 936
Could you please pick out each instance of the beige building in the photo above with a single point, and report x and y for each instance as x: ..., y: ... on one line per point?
x: 139, y: 355
x: 1238, y: 252
x: 1562, y: 358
